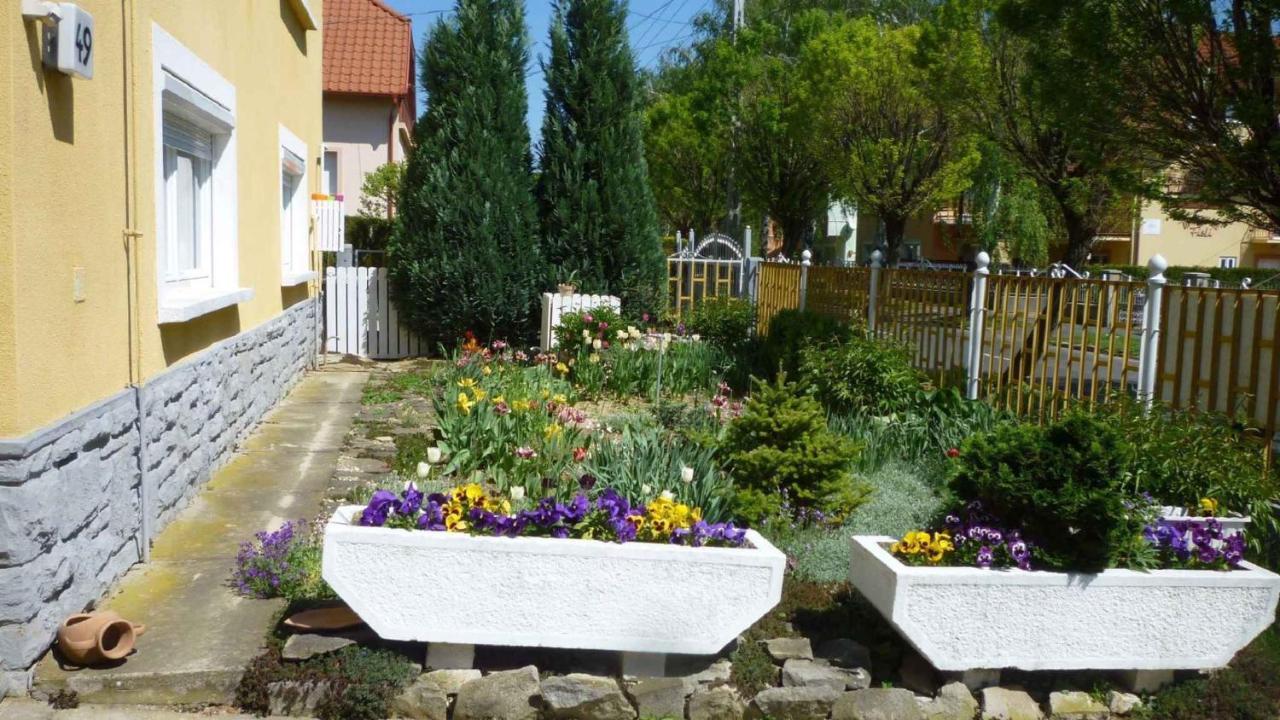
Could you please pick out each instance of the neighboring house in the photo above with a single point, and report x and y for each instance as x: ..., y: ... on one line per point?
x: 369, y: 98
x: 157, y: 290
x: 1232, y: 245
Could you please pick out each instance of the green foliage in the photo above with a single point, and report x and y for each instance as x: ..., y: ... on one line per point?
x: 411, y: 449
x: 903, y: 498
x: 1061, y: 483
x: 380, y: 189
x: 725, y: 322
x: 890, y: 144
x: 361, y: 681
x: 631, y: 370
x: 1175, y: 273
x: 1013, y: 218
x: 780, y: 449
x: 862, y: 375
x: 791, y: 331
x: 605, y: 326
x: 368, y: 233
x: 596, y: 207
x: 1180, y: 457
x: 464, y: 254
x: 642, y: 462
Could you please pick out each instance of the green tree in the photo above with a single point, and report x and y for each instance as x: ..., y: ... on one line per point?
x: 889, y: 144
x: 596, y: 207
x: 1012, y: 217
x: 380, y: 189
x: 1194, y: 83
x: 1025, y: 91
x: 464, y: 253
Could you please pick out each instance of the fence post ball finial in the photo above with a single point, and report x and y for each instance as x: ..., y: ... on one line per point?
x: 1157, y: 265
x: 983, y: 261
x: 877, y: 259
x: 806, y: 256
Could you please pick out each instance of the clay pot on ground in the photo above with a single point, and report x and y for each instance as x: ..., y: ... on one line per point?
x: 92, y: 638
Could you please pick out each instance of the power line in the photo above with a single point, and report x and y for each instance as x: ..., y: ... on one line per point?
x: 652, y: 24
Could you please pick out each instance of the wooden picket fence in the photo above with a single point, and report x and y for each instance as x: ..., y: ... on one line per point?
x: 1035, y: 345
x: 359, y: 319
x: 556, y: 305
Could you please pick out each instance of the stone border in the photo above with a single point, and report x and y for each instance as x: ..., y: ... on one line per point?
x: 71, y: 492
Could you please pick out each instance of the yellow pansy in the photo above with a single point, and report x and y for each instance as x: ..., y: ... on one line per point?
x: 1209, y: 506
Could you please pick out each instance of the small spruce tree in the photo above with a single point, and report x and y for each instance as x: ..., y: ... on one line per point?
x: 464, y: 254
x: 597, y: 212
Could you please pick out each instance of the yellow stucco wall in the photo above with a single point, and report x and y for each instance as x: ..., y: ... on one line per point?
x: 1183, y: 244
x: 63, y: 164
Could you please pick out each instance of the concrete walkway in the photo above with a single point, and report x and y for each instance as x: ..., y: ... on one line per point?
x: 200, y: 633
x: 28, y: 709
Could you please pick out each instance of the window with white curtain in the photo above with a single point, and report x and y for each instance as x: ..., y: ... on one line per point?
x: 294, y: 213
x: 188, y: 199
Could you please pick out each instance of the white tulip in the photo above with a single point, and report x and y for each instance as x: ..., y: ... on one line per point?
x: 433, y: 455
x: 517, y: 493
x: 586, y: 334
x: 646, y: 490
x: 668, y: 495
x: 424, y: 469
x: 596, y: 344
x: 686, y: 473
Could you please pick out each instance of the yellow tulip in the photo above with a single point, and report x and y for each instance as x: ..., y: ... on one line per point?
x: 464, y: 403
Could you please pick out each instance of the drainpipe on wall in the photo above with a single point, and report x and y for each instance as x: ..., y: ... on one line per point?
x: 131, y: 238
x: 391, y: 144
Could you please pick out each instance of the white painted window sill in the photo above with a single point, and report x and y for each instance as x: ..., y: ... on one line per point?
x: 290, y: 279
x: 186, y: 305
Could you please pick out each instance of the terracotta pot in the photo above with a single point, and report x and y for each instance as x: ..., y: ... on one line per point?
x: 90, y: 638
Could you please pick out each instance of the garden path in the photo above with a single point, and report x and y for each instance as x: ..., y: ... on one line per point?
x: 200, y: 632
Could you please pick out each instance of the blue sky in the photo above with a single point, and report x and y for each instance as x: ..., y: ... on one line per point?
x: 653, y: 25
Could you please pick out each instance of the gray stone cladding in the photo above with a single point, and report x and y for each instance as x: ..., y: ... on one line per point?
x: 70, y: 493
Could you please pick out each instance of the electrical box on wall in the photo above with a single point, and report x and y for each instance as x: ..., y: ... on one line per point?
x: 68, y: 40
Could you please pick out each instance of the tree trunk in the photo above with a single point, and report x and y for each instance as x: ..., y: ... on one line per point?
x: 1080, y: 237
x: 894, y: 229
x: 795, y: 235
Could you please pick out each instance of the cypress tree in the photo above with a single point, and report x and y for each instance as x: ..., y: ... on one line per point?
x: 464, y: 254
x: 595, y: 203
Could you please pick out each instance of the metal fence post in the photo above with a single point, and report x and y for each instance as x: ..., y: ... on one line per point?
x: 873, y: 289
x: 806, y: 258
x: 745, y: 266
x: 977, y: 312
x: 1149, y: 350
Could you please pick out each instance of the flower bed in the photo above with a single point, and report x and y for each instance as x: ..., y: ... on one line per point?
x: 968, y: 618
x: 458, y: 588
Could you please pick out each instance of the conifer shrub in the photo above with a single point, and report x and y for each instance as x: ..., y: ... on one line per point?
x: 464, y: 254
x: 790, y: 331
x: 782, y: 455
x: 1061, y: 483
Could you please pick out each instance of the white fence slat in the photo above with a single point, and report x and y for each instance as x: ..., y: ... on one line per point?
x: 360, y: 318
x: 556, y: 305
x: 330, y: 220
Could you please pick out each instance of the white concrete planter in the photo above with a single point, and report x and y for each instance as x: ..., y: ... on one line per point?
x: 543, y: 592
x: 964, y: 619
x: 1231, y: 525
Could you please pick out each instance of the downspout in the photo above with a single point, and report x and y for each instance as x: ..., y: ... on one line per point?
x: 131, y: 238
x: 391, y: 144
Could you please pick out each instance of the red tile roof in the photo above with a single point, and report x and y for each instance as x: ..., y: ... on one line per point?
x: 368, y: 49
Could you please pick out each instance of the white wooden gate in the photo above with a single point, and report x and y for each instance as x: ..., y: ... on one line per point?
x: 360, y: 320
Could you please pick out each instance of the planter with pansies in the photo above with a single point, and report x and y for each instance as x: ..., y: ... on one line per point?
x: 460, y: 569
x: 1055, y: 561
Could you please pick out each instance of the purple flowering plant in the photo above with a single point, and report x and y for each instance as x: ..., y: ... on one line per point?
x: 1195, y: 544
x: 981, y: 541
x: 281, y: 563
x: 605, y: 515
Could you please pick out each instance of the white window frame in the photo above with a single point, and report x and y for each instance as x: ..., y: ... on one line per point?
x: 1228, y: 261
x: 188, y: 87
x: 295, y: 224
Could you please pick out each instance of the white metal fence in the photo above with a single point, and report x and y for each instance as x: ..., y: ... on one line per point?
x: 359, y: 319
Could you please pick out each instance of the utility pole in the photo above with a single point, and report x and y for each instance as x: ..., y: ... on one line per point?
x: 734, y: 198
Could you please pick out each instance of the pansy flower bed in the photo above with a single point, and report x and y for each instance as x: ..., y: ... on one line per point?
x: 608, y: 516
